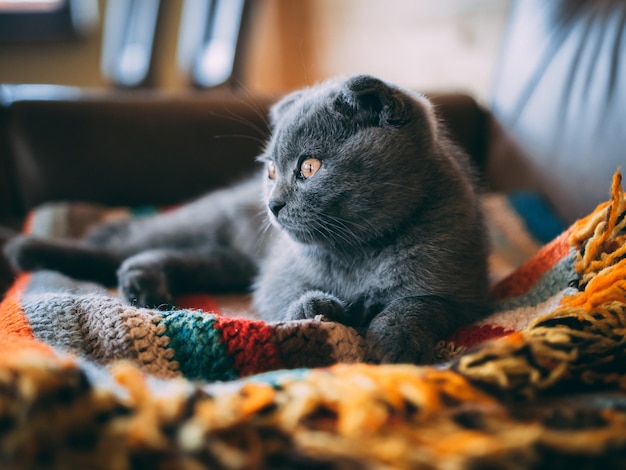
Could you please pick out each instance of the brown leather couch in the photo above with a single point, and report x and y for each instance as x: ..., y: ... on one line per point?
x: 556, y: 123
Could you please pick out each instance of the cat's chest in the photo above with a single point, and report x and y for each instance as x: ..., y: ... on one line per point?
x: 361, y: 281
x: 357, y: 280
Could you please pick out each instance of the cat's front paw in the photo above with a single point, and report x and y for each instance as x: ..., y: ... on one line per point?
x: 314, y: 303
x: 143, y: 283
x: 391, y: 343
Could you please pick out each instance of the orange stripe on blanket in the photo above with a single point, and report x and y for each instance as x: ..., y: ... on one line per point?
x: 16, y: 333
x: 530, y: 272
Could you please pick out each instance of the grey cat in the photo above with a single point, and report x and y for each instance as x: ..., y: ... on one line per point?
x: 374, y: 223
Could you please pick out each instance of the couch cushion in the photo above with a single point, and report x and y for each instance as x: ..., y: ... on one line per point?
x: 118, y: 148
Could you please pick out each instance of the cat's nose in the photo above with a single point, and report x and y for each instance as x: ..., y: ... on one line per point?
x: 275, y: 206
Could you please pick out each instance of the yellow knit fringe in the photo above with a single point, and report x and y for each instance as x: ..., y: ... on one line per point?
x: 587, y: 331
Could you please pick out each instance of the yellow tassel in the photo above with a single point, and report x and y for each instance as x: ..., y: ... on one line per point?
x: 588, y: 329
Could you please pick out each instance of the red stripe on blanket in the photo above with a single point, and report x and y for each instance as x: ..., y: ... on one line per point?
x: 472, y: 335
x: 250, y: 344
x: 16, y: 334
x: 530, y: 272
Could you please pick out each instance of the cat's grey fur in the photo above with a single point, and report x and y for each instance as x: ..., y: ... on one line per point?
x: 387, y: 236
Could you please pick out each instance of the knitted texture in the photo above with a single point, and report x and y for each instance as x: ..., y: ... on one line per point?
x: 129, y: 387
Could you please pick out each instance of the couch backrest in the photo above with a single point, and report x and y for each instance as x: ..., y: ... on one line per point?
x: 126, y: 149
x: 116, y: 148
x: 560, y: 98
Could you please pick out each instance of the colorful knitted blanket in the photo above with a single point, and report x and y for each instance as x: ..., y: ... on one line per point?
x: 89, y: 382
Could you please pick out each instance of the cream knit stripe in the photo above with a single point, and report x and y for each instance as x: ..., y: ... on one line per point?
x: 348, y: 346
x: 519, y: 318
x: 114, y: 331
x: 50, y: 304
x: 302, y: 345
x: 549, y: 284
x: 100, y: 328
x: 90, y: 325
x: 147, y: 334
x: 85, y: 319
x: 55, y: 320
x: 314, y: 343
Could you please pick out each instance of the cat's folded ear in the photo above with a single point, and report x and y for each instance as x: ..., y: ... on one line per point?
x: 372, y: 101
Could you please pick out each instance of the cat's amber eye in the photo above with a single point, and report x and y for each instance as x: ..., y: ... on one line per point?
x: 309, y: 167
x: 271, y: 170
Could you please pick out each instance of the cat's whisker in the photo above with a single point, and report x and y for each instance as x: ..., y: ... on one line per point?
x: 250, y: 99
x: 403, y: 186
x: 265, y: 228
x: 265, y: 224
x: 331, y: 235
x: 230, y: 115
x: 374, y: 229
x: 341, y: 231
x: 240, y: 136
x: 367, y: 227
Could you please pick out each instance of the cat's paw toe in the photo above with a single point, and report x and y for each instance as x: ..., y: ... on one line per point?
x: 392, y: 345
x: 313, y: 304
x: 144, y: 286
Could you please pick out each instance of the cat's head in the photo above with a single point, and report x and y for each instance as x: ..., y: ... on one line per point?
x: 348, y: 160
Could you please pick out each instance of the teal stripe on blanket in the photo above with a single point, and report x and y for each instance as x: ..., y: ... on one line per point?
x: 197, y: 345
